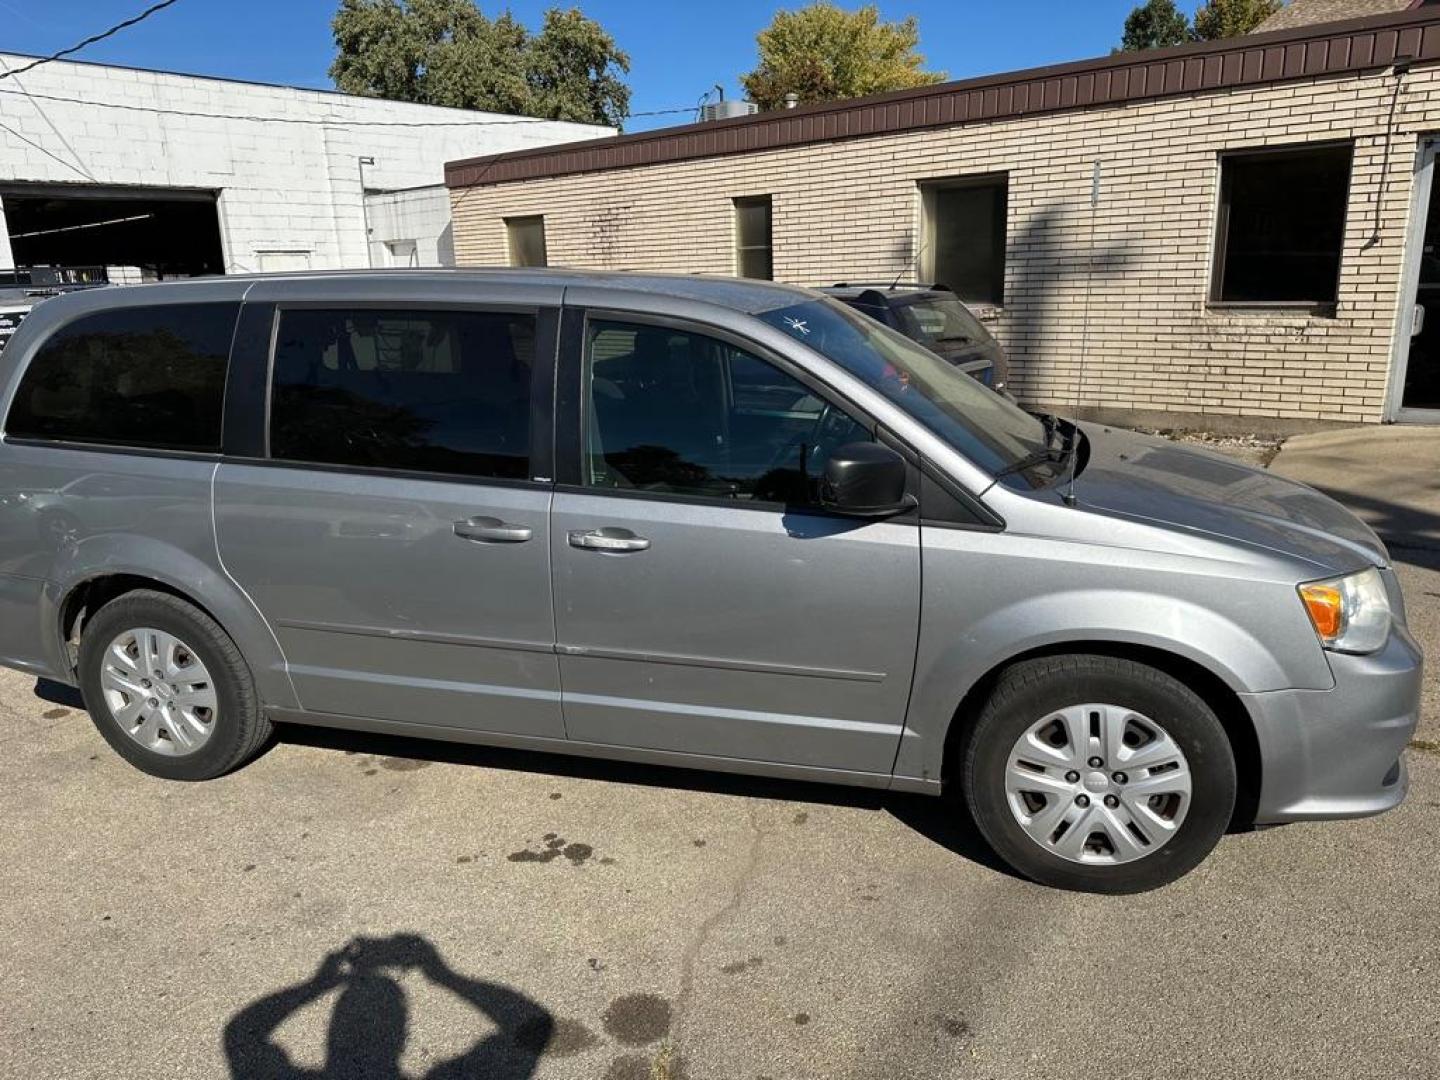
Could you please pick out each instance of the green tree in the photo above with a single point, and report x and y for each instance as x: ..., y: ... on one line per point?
x: 1154, y: 25
x: 1231, y: 18
x: 823, y: 52
x: 572, y: 70
x: 447, y: 52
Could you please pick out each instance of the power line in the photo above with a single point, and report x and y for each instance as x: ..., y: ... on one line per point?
x: 91, y: 40
x: 48, y: 153
x: 40, y: 109
x: 159, y: 110
x: 474, y: 183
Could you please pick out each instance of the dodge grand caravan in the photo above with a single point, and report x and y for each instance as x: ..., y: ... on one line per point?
x: 681, y: 520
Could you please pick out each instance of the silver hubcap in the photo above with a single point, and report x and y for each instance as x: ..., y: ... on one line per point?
x: 158, y: 691
x: 1098, y: 784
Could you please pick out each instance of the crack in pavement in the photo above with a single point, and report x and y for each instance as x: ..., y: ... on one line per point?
x: 690, y: 957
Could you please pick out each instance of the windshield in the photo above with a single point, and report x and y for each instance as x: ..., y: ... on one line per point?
x: 985, y: 427
x: 932, y: 322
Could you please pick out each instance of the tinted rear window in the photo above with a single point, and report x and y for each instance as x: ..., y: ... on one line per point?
x: 942, y: 322
x: 135, y: 376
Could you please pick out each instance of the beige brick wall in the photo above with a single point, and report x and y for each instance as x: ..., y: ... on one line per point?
x: 851, y: 209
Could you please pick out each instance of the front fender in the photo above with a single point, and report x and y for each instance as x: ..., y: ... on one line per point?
x: 205, y: 585
x: 953, y: 660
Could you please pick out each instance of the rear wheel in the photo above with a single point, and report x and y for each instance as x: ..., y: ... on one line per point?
x: 1099, y: 774
x: 168, y: 689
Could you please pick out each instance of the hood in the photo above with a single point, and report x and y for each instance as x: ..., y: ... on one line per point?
x: 1184, y: 487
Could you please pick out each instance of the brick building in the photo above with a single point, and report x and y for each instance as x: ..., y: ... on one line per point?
x: 168, y: 175
x: 1253, y: 249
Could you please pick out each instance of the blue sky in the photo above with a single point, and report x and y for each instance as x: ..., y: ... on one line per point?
x: 678, y: 49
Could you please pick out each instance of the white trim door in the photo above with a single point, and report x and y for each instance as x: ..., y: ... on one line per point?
x: 1419, y: 291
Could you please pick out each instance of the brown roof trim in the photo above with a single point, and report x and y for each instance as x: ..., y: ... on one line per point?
x: 1295, y: 53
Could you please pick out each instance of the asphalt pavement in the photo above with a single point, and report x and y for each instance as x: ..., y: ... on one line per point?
x: 356, y: 906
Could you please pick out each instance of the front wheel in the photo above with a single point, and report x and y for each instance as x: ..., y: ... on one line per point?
x: 1098, y: 774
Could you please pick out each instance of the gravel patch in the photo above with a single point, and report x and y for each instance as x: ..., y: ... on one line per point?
x: 1253, y: 449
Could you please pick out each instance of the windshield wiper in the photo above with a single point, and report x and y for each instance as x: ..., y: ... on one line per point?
x: 1051, y: 454
x: 1059, y: 455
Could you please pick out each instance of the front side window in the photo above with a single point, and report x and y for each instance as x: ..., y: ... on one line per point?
x: 1281, y: 226
x: 133, y: 376
x: 672, y: 411
x: 964, y: 240
x: 987, y: 428
x: 427, y: 391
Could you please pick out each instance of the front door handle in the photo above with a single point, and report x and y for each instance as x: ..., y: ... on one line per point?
x: 609, y: 538
x: 492, y: 530
x: 1417, y: 321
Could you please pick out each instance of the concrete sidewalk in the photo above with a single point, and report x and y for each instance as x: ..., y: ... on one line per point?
x: 1390, y: 476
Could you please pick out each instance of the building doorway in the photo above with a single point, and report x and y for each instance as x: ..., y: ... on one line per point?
x: 166, y: 233
x: 1415, y: 386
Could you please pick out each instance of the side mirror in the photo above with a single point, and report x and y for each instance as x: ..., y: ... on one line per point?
x: 865, y: 479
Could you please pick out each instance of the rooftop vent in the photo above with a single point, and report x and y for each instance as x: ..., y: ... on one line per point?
x: 724, y: 109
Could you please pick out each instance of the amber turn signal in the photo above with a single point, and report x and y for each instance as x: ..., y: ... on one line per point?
x: 1326, y: 605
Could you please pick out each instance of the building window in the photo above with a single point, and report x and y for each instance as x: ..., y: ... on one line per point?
x: 1281, y: 227
x: 963, y: 238
x: 527, y: 240
x: 753, y: 253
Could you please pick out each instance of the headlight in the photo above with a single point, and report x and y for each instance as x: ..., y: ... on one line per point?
x: 1351, y: 614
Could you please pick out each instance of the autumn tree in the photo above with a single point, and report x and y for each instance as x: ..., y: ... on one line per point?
x: 1230, y: 18
x: 823, y: 52
x: 447, y: 52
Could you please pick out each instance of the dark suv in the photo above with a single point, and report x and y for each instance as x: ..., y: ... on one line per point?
x: 936, y: 318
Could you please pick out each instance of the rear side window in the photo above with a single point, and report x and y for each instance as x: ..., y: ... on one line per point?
x: 425, y: 391
x: 135, y: 376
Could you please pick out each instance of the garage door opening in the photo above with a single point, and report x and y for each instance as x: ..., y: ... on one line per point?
x: 163, y: 232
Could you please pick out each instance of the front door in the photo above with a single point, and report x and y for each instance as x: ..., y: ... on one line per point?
x: 394, y: 538
x: 1418, y: 351
x: 704, y: 603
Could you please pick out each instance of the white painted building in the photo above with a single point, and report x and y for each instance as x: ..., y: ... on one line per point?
x: 182, y: 174
x: 410, y: 227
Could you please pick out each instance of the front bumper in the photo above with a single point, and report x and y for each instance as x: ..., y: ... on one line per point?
x: 1338, y: 753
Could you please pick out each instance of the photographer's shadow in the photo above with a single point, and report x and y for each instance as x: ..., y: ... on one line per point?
x: 370, y: 1023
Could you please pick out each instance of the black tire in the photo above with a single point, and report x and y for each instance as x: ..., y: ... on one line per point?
x: 1028, y: 691
x: 241, y: 728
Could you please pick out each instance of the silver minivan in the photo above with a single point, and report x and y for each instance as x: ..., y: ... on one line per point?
x: 681, y: 520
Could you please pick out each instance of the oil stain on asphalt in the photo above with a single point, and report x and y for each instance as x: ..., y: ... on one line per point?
x: 737, y: 967
x: 637, y: 1019
x: 629, y: 1067
x: 555, y: 847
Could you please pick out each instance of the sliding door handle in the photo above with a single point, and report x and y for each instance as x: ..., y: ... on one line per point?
x: 491, y: 530
x: 609, y: 538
